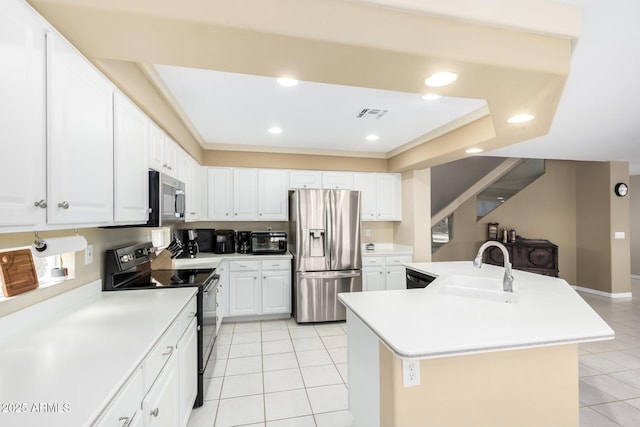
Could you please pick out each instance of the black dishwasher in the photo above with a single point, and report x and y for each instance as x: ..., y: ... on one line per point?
x: 416, y: 280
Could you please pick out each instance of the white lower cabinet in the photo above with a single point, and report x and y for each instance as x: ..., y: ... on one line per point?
x: 381, y: 273
x: 255, y: 287
x: 188, y: 366
x: 162, y: 390
x: 161, y: 405
x: 276, y: 287
x: 244, y: 293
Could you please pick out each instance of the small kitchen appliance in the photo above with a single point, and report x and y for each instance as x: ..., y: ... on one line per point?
x: 192, y: 243
x: 206, y: 239
x: 244, y: 242
x: 225, y: 242
x: 129, y: 268
x: 166, y: 200
x: 268, y: 242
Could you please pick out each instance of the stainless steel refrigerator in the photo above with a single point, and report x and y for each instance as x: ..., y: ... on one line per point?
x: 325, y: 241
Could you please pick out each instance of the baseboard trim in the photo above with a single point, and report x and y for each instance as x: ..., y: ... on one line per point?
x: 602, y: 293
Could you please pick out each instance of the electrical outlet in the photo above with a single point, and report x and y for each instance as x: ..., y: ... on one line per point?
x: 367, y: 232
x: 410, y: 372
x: 88, y: 255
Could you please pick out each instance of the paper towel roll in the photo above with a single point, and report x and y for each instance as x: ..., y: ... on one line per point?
x: 60, y: 245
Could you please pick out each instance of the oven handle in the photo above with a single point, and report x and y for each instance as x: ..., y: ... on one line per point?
x: 212, y: 282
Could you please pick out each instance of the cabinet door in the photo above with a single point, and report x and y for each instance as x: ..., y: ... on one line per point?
x: 161, y: 405
x: 272, y: 195
x: 373, y: 279
x: 170, y: 155
x: 222, y: 298
x: 80, y: 143
x: 337, y: 180
x: 276, y: 291
x: 195, y: 195
x: 156, y: 151
x: 396, y: 277
x: 220, y: 194
x: 126, y: 405
x: 389, y: 202
x: 188, y: 361
x: 305, y: 179
x: 22, y: 112
x: 366, y: 184
x: 244, y: 293
x: 131, y: 179
x: 245, y: 194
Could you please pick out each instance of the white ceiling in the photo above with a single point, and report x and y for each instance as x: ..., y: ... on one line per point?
x: 236, y: 110
x: 599, y: 114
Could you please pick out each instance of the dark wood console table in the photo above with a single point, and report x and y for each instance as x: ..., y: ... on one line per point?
x: 533, y: 255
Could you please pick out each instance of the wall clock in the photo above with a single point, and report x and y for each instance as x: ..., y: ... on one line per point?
x: 621, y: 189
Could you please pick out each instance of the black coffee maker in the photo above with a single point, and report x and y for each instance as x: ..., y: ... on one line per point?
x: 244, y: 241
x: 192, y: 243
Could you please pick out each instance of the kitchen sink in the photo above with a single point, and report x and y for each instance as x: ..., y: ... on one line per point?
x: 483, y: 288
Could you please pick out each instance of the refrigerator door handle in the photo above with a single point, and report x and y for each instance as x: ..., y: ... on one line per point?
x: 330, y: 274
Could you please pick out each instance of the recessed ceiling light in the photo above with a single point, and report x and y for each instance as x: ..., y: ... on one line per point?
x: 441, y: 79
x: 430, y: 96
x: 474, y: 150
x: 287, y: 81
x: 500, y: 198
x: 275, y: 130
x: 372, y: 137
x: 520, y: 118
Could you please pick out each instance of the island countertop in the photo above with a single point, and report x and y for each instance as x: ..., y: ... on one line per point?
x: 428, y: 323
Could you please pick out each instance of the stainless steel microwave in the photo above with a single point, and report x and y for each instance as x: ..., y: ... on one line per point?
x: 166, y: 200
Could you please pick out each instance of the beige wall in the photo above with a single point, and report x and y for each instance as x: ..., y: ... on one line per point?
x: 533, y: 387
x: 546, y: 209
x: 603, y: 263
x: 634, y: 226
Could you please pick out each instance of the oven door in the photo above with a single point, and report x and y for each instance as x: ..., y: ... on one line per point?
x: 209, y: 319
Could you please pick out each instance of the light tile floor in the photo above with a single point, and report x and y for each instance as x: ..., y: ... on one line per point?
x: 279, y: 373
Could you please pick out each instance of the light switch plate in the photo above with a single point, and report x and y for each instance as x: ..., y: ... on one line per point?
x: 88, y: 255
x: 619, y: 235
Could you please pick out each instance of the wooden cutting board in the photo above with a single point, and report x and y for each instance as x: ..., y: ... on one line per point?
x: 17, y: 272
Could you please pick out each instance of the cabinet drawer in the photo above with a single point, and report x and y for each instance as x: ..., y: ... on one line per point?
x: 126, y: 403
x: 276, y: 264
x: 244, y: 265
x: 160, y: 354
x: 186, y: 315
x: 397, y: 260
x: 372, y: 261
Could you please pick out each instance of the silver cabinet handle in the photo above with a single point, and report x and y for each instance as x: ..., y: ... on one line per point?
x: 260, y: 214
x: 381, y: 272
x: 170, y: 168
x: 227, y: 214
x: 63, y: 205
x: 236, y: 214
x: 126, y: 420
x: 164, y: 165
x: 154, y: 412
x: 170, y: 347
x: 192, y: 213
x: 40, y: 204
x: 192, y: 314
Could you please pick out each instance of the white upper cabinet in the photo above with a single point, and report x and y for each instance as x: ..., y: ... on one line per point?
x: 131, y: 177
x: 305, y: 179
x: 380, y: 196
x: 80, y: 138
x: 389, y: 197
x: 365, y: 183
x: 191, y: 173
x: 220, y: 194
x: 337, y: 180
x: 22, y: 111
x: 163, y: 152
x: 272, y: 195
x: 245, y: 194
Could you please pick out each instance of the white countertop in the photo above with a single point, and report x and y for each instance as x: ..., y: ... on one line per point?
x: 84, y: 356
x: 426, y: 323
x: 211, y: 260
x: 382, y: 249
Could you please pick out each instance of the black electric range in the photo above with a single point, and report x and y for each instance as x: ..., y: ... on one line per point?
x: 129, y: 268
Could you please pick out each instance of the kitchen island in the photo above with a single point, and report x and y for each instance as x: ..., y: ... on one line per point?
x: 479, y: 356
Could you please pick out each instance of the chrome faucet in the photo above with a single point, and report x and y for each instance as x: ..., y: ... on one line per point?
x: 507, y: 280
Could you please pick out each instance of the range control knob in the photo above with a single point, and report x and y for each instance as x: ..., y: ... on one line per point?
x: 125, y: 258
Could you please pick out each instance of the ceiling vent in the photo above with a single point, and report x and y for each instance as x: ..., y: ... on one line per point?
x: 371, y: 113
